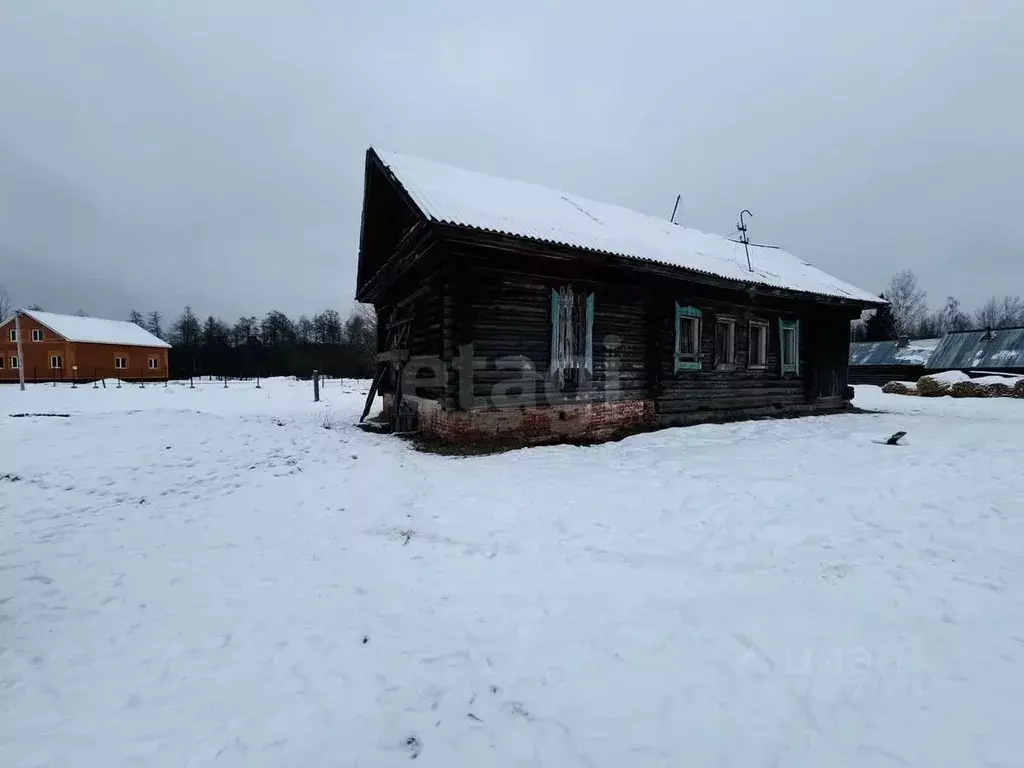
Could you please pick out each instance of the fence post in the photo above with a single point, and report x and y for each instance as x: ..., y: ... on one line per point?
x: 74, y: 377
x: 95, y: 378
x: 316, y: 386
x: 257, y: 381
x: 225, y: 381
x: 191, y: 383
x: 142, y: 378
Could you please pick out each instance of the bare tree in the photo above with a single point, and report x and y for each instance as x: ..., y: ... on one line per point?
x: 952, y: 318
x: 153, y: 325
x: 137, y: 318
x: 80, y: 312
x: 929, y: 326
x: 1012, y: 312
x: 988, y: 314
x: 5, y: 304
x: 1000, y: 313
x: 907, y: 300
x: 361, y: 334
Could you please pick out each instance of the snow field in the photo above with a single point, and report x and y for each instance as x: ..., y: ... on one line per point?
x: 210, y: 577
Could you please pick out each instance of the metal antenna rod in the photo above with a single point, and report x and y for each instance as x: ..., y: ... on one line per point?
x: 743, y: 236
x: 674, y: 209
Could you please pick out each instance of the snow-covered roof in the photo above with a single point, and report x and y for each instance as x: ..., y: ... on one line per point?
x: 452, y: 195
x: 916, y: 352
x: 1002, y: 348
x: 95, y: 330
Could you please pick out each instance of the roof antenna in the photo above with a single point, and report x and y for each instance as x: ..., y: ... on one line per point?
x: 674, y: 209
x: 743, y: 236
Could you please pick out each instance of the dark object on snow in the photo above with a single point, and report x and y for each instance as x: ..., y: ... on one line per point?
x: 414, y: 747
x: 895, y: 438
x: 366, y: 639
x: 33, y: 415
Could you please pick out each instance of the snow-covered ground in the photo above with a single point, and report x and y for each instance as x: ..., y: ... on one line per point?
x: 210, y: 577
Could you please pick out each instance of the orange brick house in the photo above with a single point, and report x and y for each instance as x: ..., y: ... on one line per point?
x: 69, y: 347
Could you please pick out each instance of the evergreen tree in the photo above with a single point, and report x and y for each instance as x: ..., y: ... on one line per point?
x: 186, y: 330
x: 137, y: 318
x: 881, y: 326
x: 243, y: 332
x: 304, y: 331
x: 276, y: 329
x: 215, y: 333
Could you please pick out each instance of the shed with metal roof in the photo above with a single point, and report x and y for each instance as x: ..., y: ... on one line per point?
x: 996, y: 349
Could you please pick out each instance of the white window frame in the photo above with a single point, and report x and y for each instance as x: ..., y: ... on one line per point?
x: 15, y: 362
x: 153, y: 363
x: 761, y: 349
x: 121, y: 363
x: 58, y: 358
x: 729, y: 324
x: 37, y: 334
x: 13, y: 335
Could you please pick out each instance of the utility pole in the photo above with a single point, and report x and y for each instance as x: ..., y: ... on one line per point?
x: 743, y: 236
x: 21, y: 356
x: 675, y: 208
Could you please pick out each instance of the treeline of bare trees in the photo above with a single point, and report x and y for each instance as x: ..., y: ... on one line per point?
x: 908, y: 314
x: 5, y: 304
x: 274, y: 345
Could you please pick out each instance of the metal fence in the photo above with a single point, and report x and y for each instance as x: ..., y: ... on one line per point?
x: 79, y: 375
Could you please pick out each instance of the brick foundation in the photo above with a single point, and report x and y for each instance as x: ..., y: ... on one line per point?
x: 529, y: 425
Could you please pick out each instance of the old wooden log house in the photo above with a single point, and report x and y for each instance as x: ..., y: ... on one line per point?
x: 508, y: 311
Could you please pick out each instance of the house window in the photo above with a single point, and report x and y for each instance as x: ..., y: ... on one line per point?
x: 14, y: 361
x: 37, y: 334
x: 1, y: 361
x: 758, y: 344
x: 56, y: 362
x: 687, y: 354
x: 789, y: 346
x: 152, y: 363
x: 572, y: 336
x: 14, y: 334
x: 725, y: 341
x: 120, y: 362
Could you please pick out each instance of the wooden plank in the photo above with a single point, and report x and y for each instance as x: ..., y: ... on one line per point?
x: 373, y: 391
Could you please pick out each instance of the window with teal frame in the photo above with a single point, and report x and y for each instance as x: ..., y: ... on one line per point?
x: 687, y: 351
x: 789, y: 346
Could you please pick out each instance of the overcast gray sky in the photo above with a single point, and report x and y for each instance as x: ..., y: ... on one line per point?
x: 154, y: 154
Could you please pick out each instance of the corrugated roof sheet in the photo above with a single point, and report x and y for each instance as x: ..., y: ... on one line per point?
x: 456, y: 196
x: 916, y: 352
x: 96, y: 330
x: 971, y: 349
